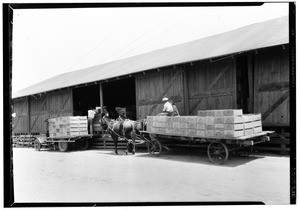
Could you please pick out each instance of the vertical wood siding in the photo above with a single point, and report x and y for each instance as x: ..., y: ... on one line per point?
x: 271, y: 79
x: 60, y: 104
x: 38, y: 114
x: 51, y: 105
x: 20, y: 122
x: 150, y: 89
x: 200, y: 78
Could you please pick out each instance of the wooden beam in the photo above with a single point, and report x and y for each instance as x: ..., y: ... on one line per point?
x: 213, y: 93
x: 275, y: 105
x: 273, y: 87
x: 28, y: 111
x: 210, y: 87
x: 185, y: 93
x: 250, y: 71
x: 101, y: 96
x: 154, y: 101
x: 166, y: 90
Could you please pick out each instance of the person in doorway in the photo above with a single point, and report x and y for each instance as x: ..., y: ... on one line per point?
x: 175, y: 110
x: 168, y: 108
x: 91, y: 115
x: 96, y: 120
x: 104, y: 112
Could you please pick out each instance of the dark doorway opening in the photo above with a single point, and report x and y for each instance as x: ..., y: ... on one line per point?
x: 85, y: 98
x: 242, y: 84
x: 120, y: 93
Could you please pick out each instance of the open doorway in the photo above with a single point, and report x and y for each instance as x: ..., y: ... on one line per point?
x: 120, y: 93
x: 85, y: 98
x: 243, y: 78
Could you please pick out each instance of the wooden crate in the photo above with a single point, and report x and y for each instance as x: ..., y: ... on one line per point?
x: 68, y: 126
x: 200, y: 133
x: 219, y: 127
x: 233, y: 119
x: 200, y: 126
x: 219, y: 133
x: 233, y: 133
x: 248, y: 125
x: 232, y: 112
x: 247, y: 117
x: 210, y: 133
x: 233, y: 127
x: 248, y: 132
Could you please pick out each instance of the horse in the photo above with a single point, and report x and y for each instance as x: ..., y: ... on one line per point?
x: 122, y: 128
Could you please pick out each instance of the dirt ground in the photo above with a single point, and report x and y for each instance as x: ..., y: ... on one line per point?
x: 181, y: 174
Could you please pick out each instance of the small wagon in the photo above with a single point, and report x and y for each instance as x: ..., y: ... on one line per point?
x: 218, y: 148
x: 62, y: 143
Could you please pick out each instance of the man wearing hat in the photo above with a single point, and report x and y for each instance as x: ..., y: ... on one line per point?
x: 168, y: 108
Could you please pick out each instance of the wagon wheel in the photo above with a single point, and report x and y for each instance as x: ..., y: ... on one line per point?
x: 245, y: 151
x: 217, y: 152
x: 154, y: 147
x: 37, y: 145
x: 63, y: 146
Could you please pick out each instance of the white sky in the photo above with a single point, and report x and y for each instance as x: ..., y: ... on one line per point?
x: 48, y: 42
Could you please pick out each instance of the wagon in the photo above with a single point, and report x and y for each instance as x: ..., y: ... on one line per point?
x: 218, y: 149
x: 62, y: 143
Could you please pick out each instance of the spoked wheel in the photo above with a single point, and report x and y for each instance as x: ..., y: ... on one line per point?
x: 63, y: 146
x: 244, y: 151
x: 154, y: 147
x: 37, y: 145
x: 217, y: 152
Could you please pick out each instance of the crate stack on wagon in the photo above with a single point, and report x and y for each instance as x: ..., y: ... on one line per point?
x: 230, y: 123
x: 68, y: 126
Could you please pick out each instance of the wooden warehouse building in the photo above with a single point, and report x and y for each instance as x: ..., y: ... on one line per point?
x: 246, y: 68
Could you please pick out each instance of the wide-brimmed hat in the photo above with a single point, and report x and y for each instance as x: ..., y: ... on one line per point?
x: 165, y: 99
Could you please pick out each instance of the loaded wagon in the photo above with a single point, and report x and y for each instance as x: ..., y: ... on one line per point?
x: 223, y: 131
x: 64, y: 132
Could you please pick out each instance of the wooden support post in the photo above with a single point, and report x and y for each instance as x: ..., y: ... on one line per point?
x: 28, y: 112
x: 101, y: 96
x: 250, y: 82
x: 185, y: 94
x: 104, y: 143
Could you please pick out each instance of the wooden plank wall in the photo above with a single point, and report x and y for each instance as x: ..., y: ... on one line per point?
x: 38, y: 114
x: 150, y: 89
x: 48, y: 106
x: 206, y: 91
x: 20, y: 122
x: 271, y: 86
x: 60, y: 104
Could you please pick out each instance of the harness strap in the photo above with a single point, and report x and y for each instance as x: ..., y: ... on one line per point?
x: 118, y: 134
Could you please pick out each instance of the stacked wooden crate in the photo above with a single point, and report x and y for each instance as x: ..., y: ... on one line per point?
x: 208, y: 123
x: 68, y: 126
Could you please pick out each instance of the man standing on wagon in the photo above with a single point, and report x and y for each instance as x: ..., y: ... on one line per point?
x: 168, y: 108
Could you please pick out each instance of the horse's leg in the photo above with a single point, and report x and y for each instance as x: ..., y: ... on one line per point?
x: 133, y: 137
x: 115, y: 138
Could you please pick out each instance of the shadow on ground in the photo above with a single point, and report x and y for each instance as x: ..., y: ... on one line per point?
x: 199, y: 155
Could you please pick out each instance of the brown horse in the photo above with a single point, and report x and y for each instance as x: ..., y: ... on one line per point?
x: 122, y: 128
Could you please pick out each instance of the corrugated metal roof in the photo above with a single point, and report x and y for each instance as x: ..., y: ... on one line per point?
x: 260, y: 35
